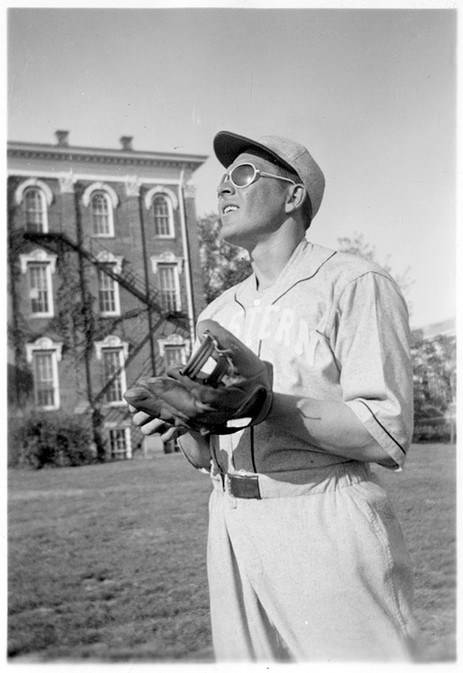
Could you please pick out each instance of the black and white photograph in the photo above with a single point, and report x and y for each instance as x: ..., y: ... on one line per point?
x: 231, y: 259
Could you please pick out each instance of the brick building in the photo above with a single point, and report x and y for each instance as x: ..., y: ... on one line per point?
x: 104, y: 278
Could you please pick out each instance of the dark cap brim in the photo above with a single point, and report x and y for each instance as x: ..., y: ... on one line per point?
x: 228, y: 146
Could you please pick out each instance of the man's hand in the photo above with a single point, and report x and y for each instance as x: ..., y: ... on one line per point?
x: 194, y: 447
x: 243, y: 396
x: 151, y: 426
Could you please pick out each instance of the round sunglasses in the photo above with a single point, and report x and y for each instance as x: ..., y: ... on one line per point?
x: 245, y: 174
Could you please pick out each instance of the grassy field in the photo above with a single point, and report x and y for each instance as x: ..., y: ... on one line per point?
x: 107, y: 563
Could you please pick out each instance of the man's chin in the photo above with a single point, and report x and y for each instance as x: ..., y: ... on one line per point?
x: 234, y: 238
x: 228, y: 232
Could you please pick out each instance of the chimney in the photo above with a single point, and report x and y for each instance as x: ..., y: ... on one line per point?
x: 126, y: 142
x: 63, y: 138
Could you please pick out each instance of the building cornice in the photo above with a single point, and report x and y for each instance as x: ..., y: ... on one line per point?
x: 104, y: 156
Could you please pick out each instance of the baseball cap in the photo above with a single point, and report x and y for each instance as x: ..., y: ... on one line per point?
x: 287, y: 153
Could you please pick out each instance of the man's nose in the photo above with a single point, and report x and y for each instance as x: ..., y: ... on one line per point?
x: 225, y: 187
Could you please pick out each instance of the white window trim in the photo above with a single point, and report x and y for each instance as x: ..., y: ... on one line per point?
x: 113, y: 202
x: 114, y: 342
x: 33, y: 182
x: 165, y: 191
x: 41, y: 257
x: 172, y: 204
x: 166, y: 258
x: 40, y: 345
x: 106, y: 257
x: 46, y: 194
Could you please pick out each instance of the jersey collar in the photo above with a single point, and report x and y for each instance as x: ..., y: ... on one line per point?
x: 305, y: 261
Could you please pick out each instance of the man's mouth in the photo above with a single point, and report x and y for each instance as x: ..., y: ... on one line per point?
x: 229, y: 208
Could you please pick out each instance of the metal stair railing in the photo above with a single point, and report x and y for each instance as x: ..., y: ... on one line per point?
x: 133, y: 283
x: 126, y: 275
x: 127, y: 279
x: 145, y: 371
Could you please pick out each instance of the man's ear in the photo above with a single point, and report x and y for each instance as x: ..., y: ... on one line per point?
x: 297, y: 194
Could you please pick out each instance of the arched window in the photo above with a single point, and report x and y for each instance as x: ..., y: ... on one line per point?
x: 101, y: 209
x: 34, y: 197
x: 162, y: 213
x: 101, y: 200
x: 35, y: 207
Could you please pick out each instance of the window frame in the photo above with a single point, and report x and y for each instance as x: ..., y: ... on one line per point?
x: 112, y: 201
x: 45, y: 347
x: 127, y: 439
x: 168, y: 225
x: 170, y: 348
x: 36, y: 227
x: 109, y: 228
x: 114, y: 344
x: 48, y: 290
x: 46, y: 196
x: 174, y: 291
x: 102, y: 279
x: 116, y: 388
x: 39, y: 258
x: 172, y: 203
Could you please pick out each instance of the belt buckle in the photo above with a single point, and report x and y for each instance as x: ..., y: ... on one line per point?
x: 243, y: 486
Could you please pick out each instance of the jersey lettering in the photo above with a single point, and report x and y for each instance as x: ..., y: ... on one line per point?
x: 266, y: 326
x: 271, y: 324
x: 284, y: 332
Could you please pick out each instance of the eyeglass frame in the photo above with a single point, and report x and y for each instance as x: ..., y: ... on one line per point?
x: 257, y: 174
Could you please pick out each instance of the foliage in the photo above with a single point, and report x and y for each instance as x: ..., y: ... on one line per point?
x: 223, y: 265
x: 52, y: 439
x: 74, y: 318
x: 434, y: 385
x: 19, y: 329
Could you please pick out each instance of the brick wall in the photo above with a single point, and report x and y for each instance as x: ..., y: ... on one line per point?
x: 76, y: 278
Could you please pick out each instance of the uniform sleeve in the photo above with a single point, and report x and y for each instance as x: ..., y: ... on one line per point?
x: 371, y: 341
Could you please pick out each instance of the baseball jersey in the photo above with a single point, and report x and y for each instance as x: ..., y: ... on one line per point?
x: 334, y: 326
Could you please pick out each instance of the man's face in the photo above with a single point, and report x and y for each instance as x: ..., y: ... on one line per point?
x: 251, y: 213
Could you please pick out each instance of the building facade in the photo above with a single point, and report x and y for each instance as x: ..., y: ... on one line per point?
x: 104, y: 278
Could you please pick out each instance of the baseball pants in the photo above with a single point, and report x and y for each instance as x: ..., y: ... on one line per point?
x: 310, y: 572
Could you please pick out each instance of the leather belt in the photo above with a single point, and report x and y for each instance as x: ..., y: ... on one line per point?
x: 243, y: 486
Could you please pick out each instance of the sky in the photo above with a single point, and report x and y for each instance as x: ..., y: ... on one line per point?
x: 370, y: 92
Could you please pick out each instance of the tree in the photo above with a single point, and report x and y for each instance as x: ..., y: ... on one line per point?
x: 223, y: 264
x: 434, y: 384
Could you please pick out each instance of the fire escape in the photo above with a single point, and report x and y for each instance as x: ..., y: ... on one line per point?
x: 90, y: 250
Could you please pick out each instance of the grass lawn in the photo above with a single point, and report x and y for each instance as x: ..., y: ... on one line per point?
x: 107, y: 563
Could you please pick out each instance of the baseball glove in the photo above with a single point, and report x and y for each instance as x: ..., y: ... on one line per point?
x: 236, y: 394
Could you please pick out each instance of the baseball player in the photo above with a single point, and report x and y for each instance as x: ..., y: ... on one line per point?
x: 312, y: 383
